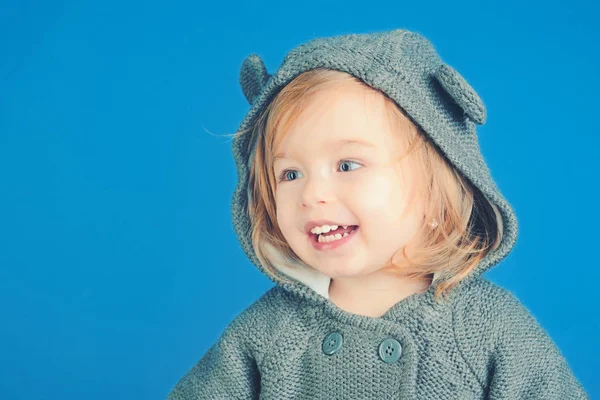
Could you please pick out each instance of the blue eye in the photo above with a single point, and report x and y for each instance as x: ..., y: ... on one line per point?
x: 285, y: 172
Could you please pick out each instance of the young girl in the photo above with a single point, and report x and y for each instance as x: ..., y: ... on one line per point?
x: 364, y: 196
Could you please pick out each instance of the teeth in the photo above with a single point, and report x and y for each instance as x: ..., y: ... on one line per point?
x: 324, y: 229
x: 332, y: 238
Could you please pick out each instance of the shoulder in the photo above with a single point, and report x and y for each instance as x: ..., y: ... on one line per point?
x: 483, y: 315
x: 481, y: 298
x: 230, y: 367
x: 493, y: 310
x: 507, y: 348
x: 268, y: 310
x: 491, y: 325
x: 259, y: 323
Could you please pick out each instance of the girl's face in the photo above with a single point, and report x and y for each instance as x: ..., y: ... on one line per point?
x: 365, y: 185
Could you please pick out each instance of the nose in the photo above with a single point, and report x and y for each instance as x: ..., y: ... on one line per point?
x: 316, y: 191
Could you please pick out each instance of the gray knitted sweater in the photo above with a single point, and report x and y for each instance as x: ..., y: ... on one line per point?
x: 295, y: 343
x: 482, y: 345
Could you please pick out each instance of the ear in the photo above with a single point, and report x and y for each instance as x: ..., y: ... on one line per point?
x: 253, y: 76
x: 462, y: 93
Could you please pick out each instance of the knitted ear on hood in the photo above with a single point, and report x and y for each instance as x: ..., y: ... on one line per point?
x: 461, y: 92
x: 253, y: 76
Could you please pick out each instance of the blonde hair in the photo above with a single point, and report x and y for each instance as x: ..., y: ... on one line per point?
x: 469, y: 226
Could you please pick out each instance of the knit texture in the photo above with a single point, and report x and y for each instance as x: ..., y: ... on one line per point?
x: 294, y: 343
x: 482, y: 344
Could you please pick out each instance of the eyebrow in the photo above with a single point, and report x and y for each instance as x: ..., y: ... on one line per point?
x: 341, y: 143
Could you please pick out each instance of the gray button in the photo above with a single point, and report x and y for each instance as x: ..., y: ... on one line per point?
x: 390, y: 350
x: 332, y: 343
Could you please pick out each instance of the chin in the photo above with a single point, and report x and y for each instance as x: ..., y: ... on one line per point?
x: 339, y: 270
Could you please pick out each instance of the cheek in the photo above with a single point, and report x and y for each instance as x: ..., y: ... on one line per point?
x: 284, y: 213
x: 377, y: 194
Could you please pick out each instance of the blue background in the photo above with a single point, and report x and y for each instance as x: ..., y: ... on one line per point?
x: 119, y: 266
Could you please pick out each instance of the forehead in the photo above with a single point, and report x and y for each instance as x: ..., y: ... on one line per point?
x: 337, y: 144
x: 345, y: 116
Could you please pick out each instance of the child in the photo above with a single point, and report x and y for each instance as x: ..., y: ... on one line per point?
x: 364, y: 196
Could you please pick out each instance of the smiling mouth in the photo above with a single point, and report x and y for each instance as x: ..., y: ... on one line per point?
x: 320, y: 237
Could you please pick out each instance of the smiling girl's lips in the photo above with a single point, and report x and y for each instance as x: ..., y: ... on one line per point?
x: 323, y: 246
x: 320, y: 222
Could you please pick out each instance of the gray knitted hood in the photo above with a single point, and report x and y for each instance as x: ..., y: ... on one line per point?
x: 406, y: 67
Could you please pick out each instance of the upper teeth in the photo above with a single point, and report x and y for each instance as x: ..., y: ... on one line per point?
x: 325, y: 228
